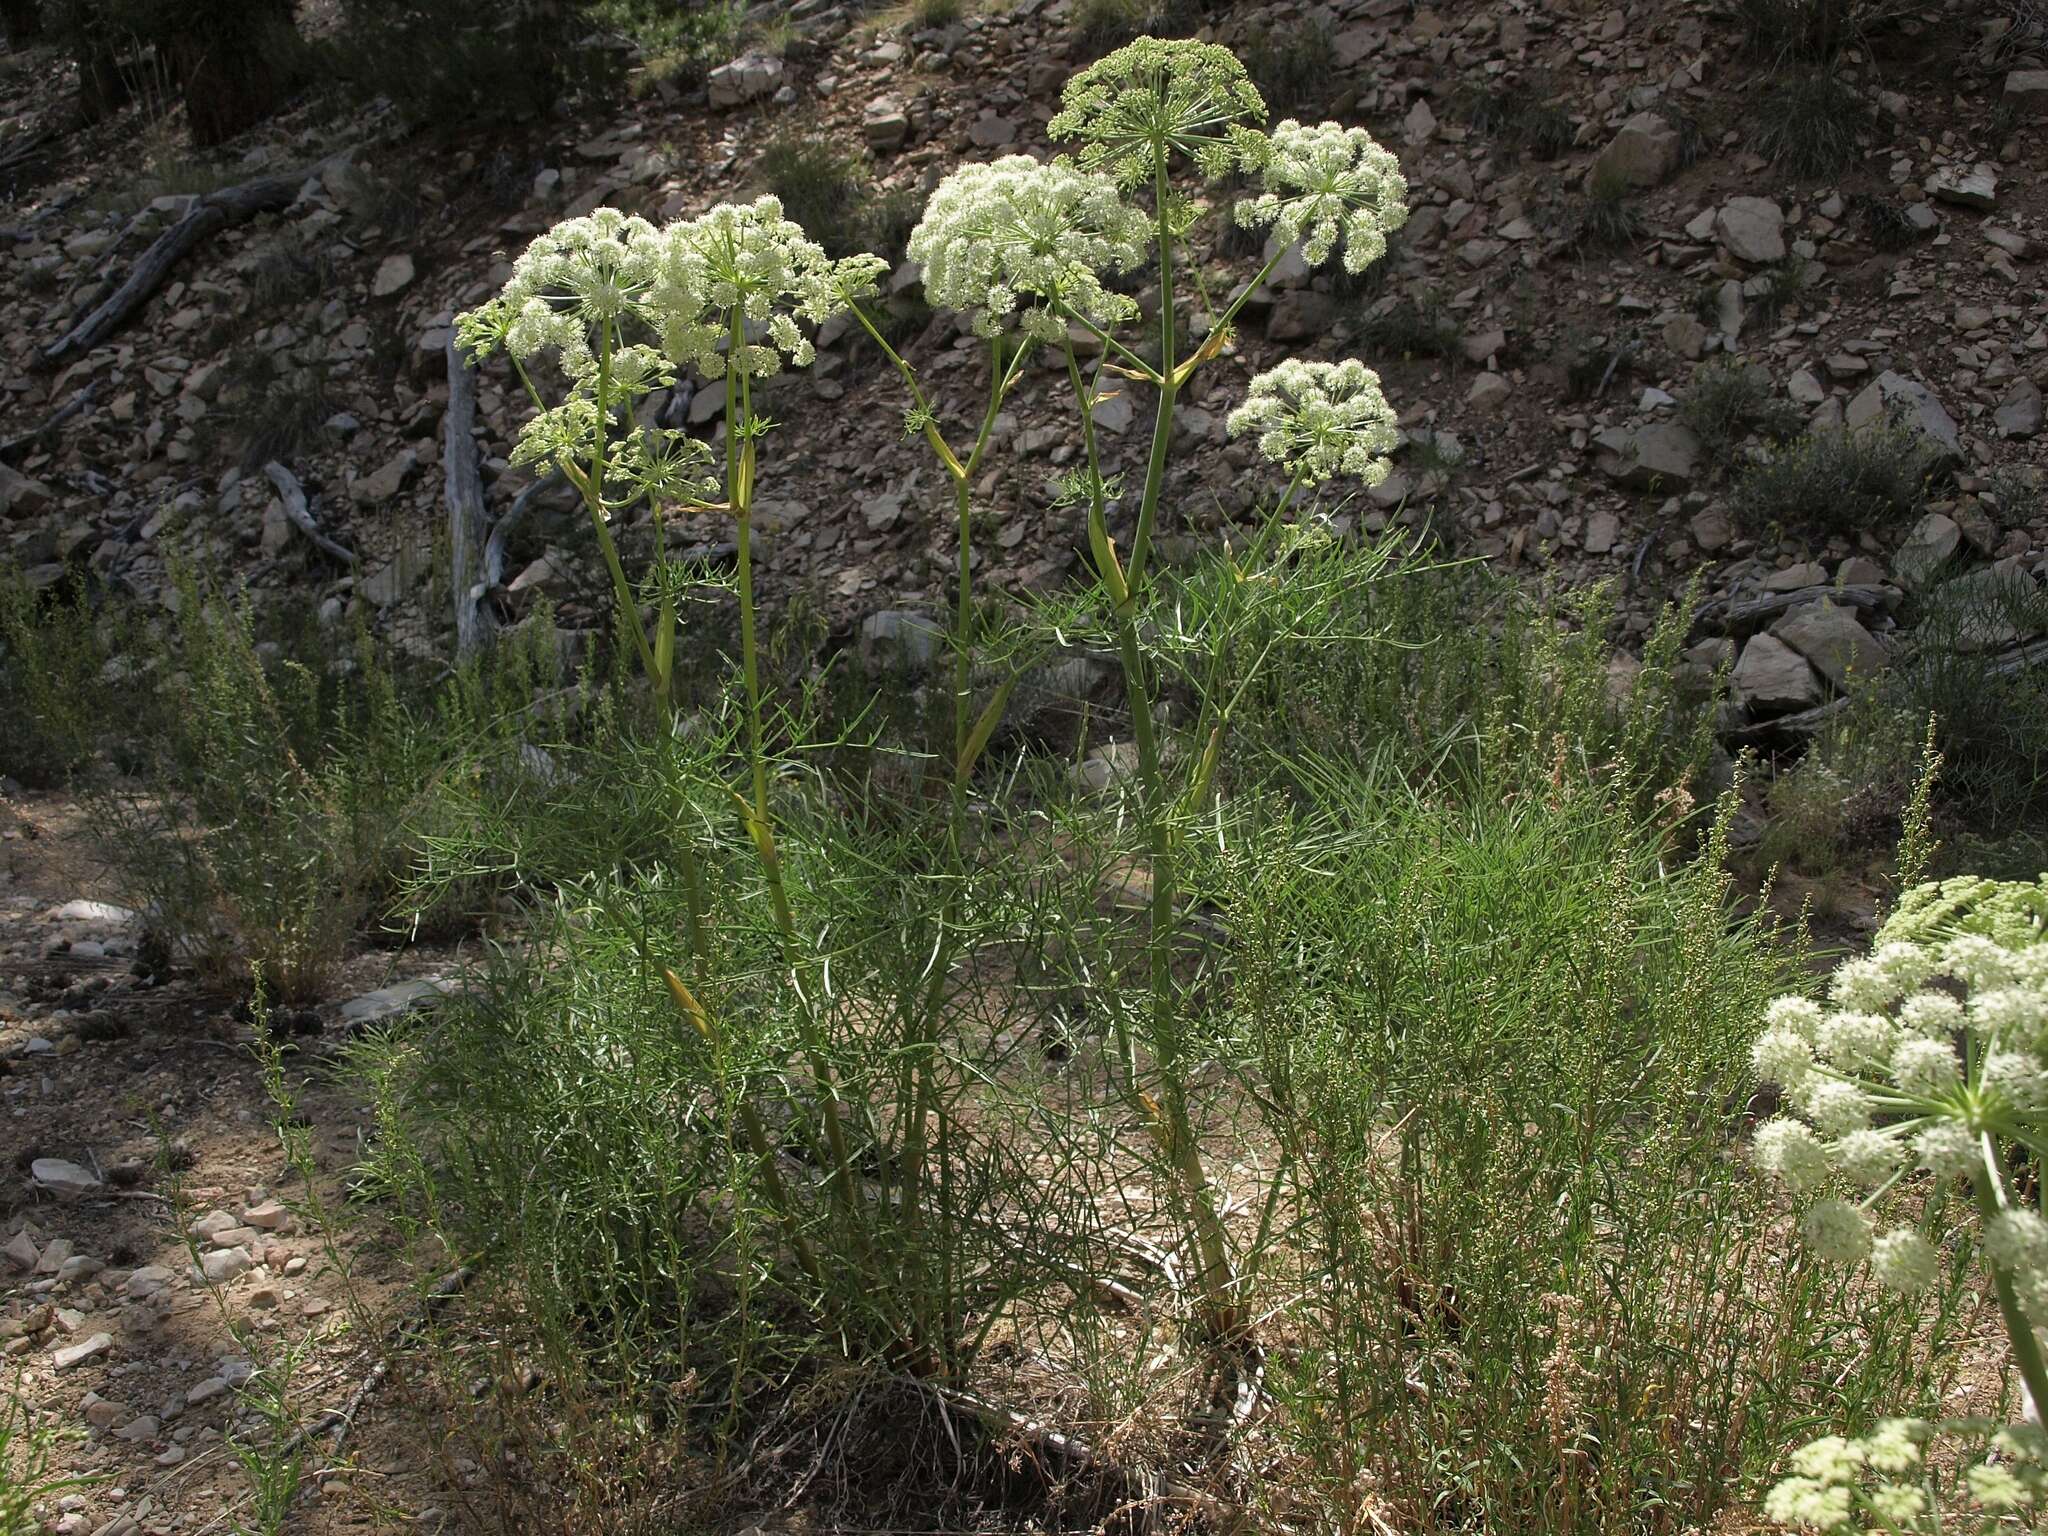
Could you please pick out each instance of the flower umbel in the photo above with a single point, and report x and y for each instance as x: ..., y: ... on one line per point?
x: 1329, y: 183
x: 1319, y: 420
x: 994, y: 235
x: 1152, y: 102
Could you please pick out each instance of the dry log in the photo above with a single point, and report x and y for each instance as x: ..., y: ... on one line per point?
x: 293, y: 496
x: 1741, y: 616
x: 213, y: 213
x: 13, y: 449
x: 466, y: 515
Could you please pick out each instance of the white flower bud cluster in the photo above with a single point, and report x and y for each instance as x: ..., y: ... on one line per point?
x: 1927, y: 1052
x: 1887, y: 1480
x: 1319, y: 420
x: 1328, y: 183
x: 995, y: 235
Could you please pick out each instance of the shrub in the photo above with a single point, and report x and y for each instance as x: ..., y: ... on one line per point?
x: 1728, y: 401
x: 1410, y: 325
x: 233, y: 62
x: 1101, y: 25
x: 54, y: 687
x: 1521, y: 117
x: 1808, y: 120
x: 1607, y: 217
x: 1293, y: 66
x: 932, y: 14
x: 1808, y: 29
x: 1838, y: 481
x: 830, y: 193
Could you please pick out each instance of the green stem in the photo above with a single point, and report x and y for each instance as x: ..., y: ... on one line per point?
x: 2026, y: 1348
x: 1169, y: 386
x: 1173, y: 1127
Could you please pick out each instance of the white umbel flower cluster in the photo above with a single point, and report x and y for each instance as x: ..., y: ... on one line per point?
x: 1319, y: 420
x: 1931, y: 1057
x: 997, y: 235
x: 1328, y: 183
x: 1888, y: 1480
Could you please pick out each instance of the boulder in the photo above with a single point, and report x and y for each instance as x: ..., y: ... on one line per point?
x: 1895, y: 396
x: 1752, y: 229
x: 745, y: 79
x: 2019, y: 414
x: 898, y: 638
x: 1643, y: 153
x: 2026, y: 92
x: 885, y: 125
x: 1832, y: 641
x: 1773, y: 679
x: 20, y: 495
x: 1930, y: 546
x: 1974, y: 188
x: 1663, y: 456
x: 1987, y: 609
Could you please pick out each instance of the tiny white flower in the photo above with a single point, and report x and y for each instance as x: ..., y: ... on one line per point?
x: 1830, y: 1459
x: 1997, y: 1489
x: 1867, y: 1157
x: 1783, y: 1056
x: 1789, y: 1149
x: 1977, y: 961
x: 1802, y: 1501
x: 2017, y: 1241
x: 1836, y: 1108
x: 1898, y: 1505
x: 2013, y: 1013
x: 1926, y: 1067
x: 2019, y: 1076
x: 1801, y: 1015
x: 1905, y: 1262
x: 1853, y: 1042
x: 1325, y: 184
x: 1319, y: 419
x: 1948, y: 1151
x: 1934, y: 1014
x: 1905, y: 965
x: 1838, y: 1232
x: 1862, y: 986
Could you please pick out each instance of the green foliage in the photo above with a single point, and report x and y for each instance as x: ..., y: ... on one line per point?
x: 1807, y: 120
x: 930, y: 14
x: 1813, y: 30
x: 1607, y: 217
x: 832, y: 194
x: 54, y: 683
x: 1101, y: 26
x: 1727, y: 401
x: 1294, y: 66
x: 1838, y: 481
x: 31, y: 1455
x: 1521, y: 116
x: 1409, y: 325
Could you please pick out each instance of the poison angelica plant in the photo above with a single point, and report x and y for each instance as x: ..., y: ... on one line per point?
x: 1928, y: 1065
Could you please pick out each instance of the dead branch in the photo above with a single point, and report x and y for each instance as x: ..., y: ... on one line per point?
x: 213, y: 213
x: 294, y: 498
x: 13, y: 449
x: 466, y: 515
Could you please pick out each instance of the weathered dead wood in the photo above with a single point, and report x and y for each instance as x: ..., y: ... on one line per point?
x: 466, y: 514
x: 1733, y: 616
x: 293, y: 495
x: 213, y: 213
x: 15, y: 447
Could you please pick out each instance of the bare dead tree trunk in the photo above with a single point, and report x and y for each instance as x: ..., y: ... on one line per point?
x: 235, y: 68
x: 22, y: 20
x: 466, y: 514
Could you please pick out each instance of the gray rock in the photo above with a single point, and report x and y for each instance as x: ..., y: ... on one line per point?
x: 1832, y: 641
x: 1711, y: 530
x: 1643, y: 153
x: 19, y: 495
x: 86, y: 1349
x: 1986, y: 610
x: 1300, y: 315
x: 90, y: 912
x: 385, y: 483
x: 1974, y: 188
x: 1894, y: 395
x: 1663, y: 456
x: 1489, y: 392
x: 884, y: 124
x: 745, y: 79
x: 390, y: 1002
x: 64, y: 1179
x: 1752, y: 229
x: 898, y: 638
x: 394, y: 275
x: 1930, y: 546
x: 225, y: 1264
x: 2019, y: 413
x: 2026, y: 92
x: 397, y: 577
x: 1773, y: 679
x: 1603, y: 532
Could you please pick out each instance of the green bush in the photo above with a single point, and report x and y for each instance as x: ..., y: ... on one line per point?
x: 1838, y: 481
x: 1726, y: 402
x: 1808, y: 120
x: 1294, y: 66
x: 831, y: 193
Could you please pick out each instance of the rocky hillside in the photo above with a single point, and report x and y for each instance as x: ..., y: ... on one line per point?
x: 1616, y: 290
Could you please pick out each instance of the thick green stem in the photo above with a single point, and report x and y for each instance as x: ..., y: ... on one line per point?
x: 1173, y: 1126
x: 2026, y: 1348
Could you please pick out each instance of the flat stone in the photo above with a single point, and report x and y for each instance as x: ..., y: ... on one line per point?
x: 1300, y: 315
x: 1974, y: 188
x: 1806, y: 389
x: 1603, y: 532
x: 2026, y: 92
x: 2019, y: 413
x: 1912, y: 402
x: 1711, y: 529
x: 747, y: 78
x: 899, y: 638
x: 1662, y: 456
x: 1773, y: 679
x: 1752, y: 229
x: 885, y: 124
x: 1806, y: 573
x: 1986, y: 610
x: 20, y: 1251
x: 390, y: 1002
x: 1642, y: 153
x: 86, y: 1349
x: 992, y: 132
x: 1684, y: 335
x: 1489, y: 392
x: 1930, y: 546
x: 63, y: 1179
x: 270, y: 1216
x: 225, y: 1264
x: 384, y: 484
x: 394, y: 275
x: 90, y: 912
x: 19, y: 495
x: 1832, y: 641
